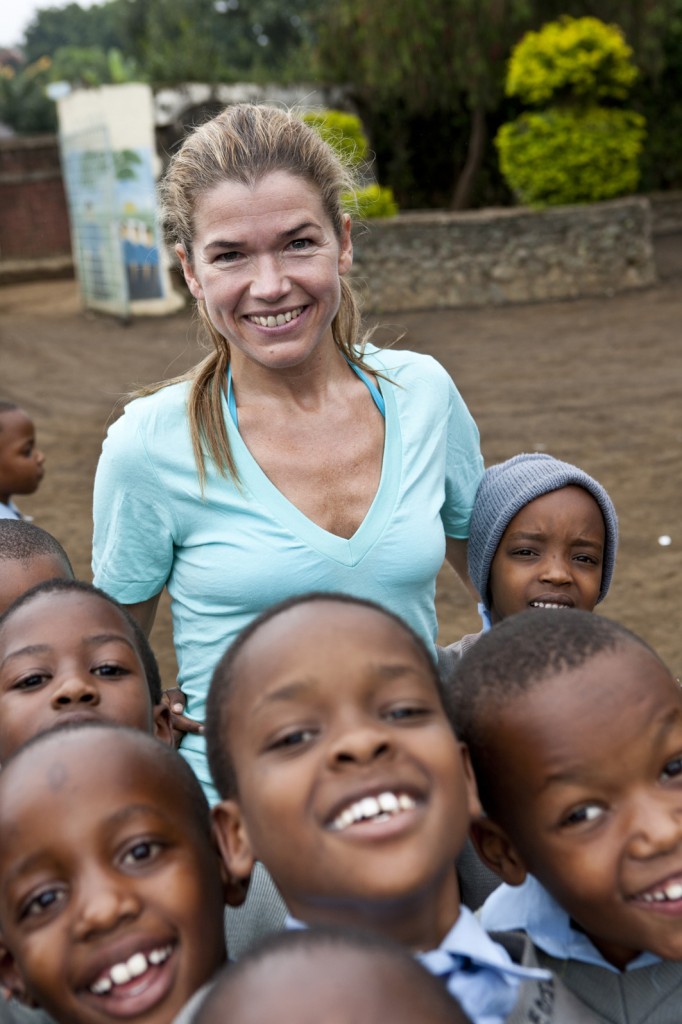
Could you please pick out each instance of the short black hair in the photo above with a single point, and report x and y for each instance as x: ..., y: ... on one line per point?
x: 222, y: 683
x: 518, y: 654
x: 21, y: 541
x: 57, y: 586
x: 305, y: 942
x: 171, y: 766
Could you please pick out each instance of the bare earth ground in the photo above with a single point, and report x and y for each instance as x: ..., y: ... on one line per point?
x: 596, y: 382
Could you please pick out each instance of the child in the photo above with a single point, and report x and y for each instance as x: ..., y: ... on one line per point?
x: 111, y: 896
x: 69, y: 652
x: 340, y: 771
x: 22, y: 465
x: 28, y: 556
x: 304, y: 977
x: 575, y: 732
x: 543, y: 534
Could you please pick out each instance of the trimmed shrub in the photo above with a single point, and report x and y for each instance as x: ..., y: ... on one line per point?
x: 342, y: 131
x: 580, y: 58
x: 567, y: 156
x: 373, y: 201
x: 574, y: 151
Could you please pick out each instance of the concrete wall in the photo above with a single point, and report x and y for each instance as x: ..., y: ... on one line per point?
x: 431, y: 260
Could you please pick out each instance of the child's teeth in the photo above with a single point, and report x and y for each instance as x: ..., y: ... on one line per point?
x: 120, y: 974
x: 157, y: 956
x: 406, y: 802
x: 388, y: 802
x: 137, y: 965
x: 102, y: 986
x: 369, y: 807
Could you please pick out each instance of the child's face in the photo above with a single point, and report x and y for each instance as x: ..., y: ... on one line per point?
x: 21, y: 463
x: 111, y: 897
x: 18, y: 576
x: 592, y: 770
x: 68, y: 657
x: 550, y: 555
x: 353, y: 790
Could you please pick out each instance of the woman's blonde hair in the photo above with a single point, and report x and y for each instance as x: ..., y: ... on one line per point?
x: 243, y: 144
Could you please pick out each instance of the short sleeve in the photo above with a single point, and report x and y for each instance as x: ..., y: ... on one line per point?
x: 132, y: 549
x: 463, y: 467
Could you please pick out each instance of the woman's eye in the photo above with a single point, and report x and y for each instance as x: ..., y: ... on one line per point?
x: 41, y: 902
x: 588, y: 813
x: 228, y: 257
x: 300, y: 244
x: 140, y: 852
x: 672, y: 769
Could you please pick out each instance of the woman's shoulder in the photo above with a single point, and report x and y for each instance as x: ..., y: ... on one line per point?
x: 404, y: 365
x: 167, y: 405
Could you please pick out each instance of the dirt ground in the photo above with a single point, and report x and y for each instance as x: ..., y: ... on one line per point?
x: 596, y: 382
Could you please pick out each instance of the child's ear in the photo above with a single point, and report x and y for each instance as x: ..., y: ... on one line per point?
x: 470, y: 779
x: 11, y: 982
x: 496, y: 849
x: 235, y: 850
x: 162, y: 729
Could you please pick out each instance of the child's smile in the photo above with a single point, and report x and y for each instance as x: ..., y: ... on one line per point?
x: 600, y: 820
x: 111, y: 897
x: 344, y: 748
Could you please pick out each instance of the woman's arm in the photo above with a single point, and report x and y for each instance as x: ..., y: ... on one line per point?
x: 456, y: 555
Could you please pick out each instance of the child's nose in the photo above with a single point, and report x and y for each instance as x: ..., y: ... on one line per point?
x: 104, y: 902
x: 360, y: 746
x: 555, y: 569
x: 656, y: 826
x: 40, y: 457
x: 74, y: 688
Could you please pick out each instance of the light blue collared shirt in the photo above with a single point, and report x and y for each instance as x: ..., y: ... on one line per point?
x: 477, y: 971
x: 531, y: 909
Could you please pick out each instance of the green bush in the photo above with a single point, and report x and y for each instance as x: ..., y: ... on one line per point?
x: 372, y: 201
x: 581, y: 58
x: 342, y: 131
x: 571, y: 156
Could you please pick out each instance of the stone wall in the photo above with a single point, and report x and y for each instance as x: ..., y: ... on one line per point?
x: 431, y: 260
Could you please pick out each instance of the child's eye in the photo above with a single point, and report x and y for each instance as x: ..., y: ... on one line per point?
x: 582, y: 815
x: 672, y: 769
x: 31, y: 681
x: 522, y: 553
x: 139, y: 852
x: 587, y: 559
x: 294, y: 738
x: 41, y: 903
x: 406, y: 713
x: 109, y: 669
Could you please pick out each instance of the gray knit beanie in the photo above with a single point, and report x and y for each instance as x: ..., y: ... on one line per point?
x: 506, y: 488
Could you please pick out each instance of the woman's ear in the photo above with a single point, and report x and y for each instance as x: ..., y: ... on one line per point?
x: 496, y: 849
x: 345, y: 246
x: 188, y: 271
x: 235, y: 850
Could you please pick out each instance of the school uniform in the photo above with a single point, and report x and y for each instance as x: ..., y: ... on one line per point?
x: 649, y: 989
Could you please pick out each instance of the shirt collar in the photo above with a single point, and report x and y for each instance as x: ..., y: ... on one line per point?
x: 530, y: 908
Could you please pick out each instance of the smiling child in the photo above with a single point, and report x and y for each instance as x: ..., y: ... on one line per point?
x: 111, y: 896
x: 339, y: 770
x: 22, y: 464
x: 543, y: 534
x: 574, y: 726
x: 69, y: 652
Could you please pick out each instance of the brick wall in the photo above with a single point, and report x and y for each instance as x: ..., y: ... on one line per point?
x: 34, y: 222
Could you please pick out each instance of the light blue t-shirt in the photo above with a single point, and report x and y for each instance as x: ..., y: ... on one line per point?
x: 228, y: 556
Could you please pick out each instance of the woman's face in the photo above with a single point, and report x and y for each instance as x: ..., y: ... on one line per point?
x: 268, y: 264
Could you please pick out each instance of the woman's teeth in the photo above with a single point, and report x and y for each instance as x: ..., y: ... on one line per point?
x: 136, y: 965
x: 373, y: 808
x: 279, y: 320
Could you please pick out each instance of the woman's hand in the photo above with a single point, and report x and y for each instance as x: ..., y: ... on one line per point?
x: 180, y: 723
